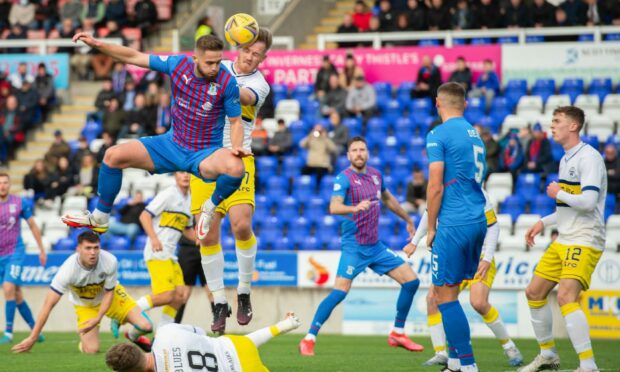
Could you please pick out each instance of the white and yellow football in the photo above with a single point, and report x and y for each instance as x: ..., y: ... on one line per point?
x: 241, y: 29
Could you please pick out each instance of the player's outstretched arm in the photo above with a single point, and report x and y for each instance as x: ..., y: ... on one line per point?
x: 538, y: 228
x: 434, y: 193
x: 337, y: 206
x: 50, y: 301
x: 36, y: 232
x: 118, y: 52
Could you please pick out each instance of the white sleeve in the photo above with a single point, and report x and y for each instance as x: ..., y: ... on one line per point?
x: 112, y: 275
x: 60, y: 282
x: 420, y: 232
x: 592, y: 172
x: 261, y: 89
x: 187, y: 328
x: 490, y: 242
x: 158, y: 204
x: 549, y: 220
x: 586, y: 202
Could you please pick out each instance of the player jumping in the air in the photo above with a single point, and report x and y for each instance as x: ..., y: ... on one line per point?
x: 253, y: 89
x: 358, y: 192
x: 185, y: 348
x: 480, y: 287
x: 203, y: 94
x: 571, y: 259
x: 12, y: 254
x: 454, y: 196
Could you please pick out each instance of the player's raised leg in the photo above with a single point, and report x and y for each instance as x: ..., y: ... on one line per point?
x: 141, y: 326
x: 132, y: 154
x: 409, y: 282
x: 261, y: 336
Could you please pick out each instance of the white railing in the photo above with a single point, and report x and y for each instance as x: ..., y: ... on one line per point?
x: 377, y: 38
x: 43, y: 44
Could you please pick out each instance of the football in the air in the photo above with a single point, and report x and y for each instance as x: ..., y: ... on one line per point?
x: 241, y: 29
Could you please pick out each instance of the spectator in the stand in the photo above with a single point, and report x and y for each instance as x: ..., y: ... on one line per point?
x: 415, y: 199
x: 22, y: 14
x: 105, y: 94
x: 120, y: 76
x: 163, y: 119
x: 59, y: 148
x: 575, y: 11
x: 128, y: 95
x: 612, y: 164
x: 487, y: 84
x: 595, y: 12
x: 108, y: 141
x: 28, y: 102
x: 137, y: 121
x: 320, y: 151
x: 428, y: 80
x: 462, y: 74
x: 82, y: 150
x: 349, y: 71
x: 463, y: 17
x: 492, y: 149
x: 5, y: 90
x: 144, y: 15
x: 542, y: 13
x: 60, y: 180
x: 487, y: 15
x: 339, y: 133
x: 416, y: 13
x: 95, y: 11
x: 538, y: 156
x: 17, y: 32
x: 44, y: 85
x: 321, y: 83
x: 438, y: 16
x: 515, y: 14
x: 561, y: 20
x: 511, y: 156
x: 361, y: 99
x: 66, y: 32
x: 282, y: 140
x: 10, y: 129
x: 86, y: 177
x: 336, y: 98
x: 148, y: 78
x: 72, y: 10
x: 36, y: 179
x: 5, y: 9
x: 361, y: 16
x: 128, y: 224
x: 402, y: 25
x: 614, y: 13
x: 46, y: 15
x: 205, y: 27
x: 260, y: 139
x: 113, y: 117
x: 20, y: 76
x: 82, y: 58
x: 374, y: 25
x: 387, y: 17
x: 102, y: 64
x: 347, y: 27
x: 152, y: 97
x: 115, y: 11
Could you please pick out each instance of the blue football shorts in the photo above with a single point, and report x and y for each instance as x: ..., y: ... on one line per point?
x: 11, y: 268
x: 356, y: 258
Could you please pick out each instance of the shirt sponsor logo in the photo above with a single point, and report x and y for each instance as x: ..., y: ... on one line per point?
x: 337, y: 187
x: 207, y: 106
x: 431, y: 144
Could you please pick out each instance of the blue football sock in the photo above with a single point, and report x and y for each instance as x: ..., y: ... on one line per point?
x: 24, y: 311
x: 9, y: 313
x: 325, y: 309
x: 110, y: 180
x: 457, y: 331
x: 405, y: 299
x: 225, y: 186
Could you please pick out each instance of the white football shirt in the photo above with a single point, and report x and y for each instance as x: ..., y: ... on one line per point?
x: 86, y: 285
x: 185, y: 348
x: 171, y: 211
x: 254, y: 81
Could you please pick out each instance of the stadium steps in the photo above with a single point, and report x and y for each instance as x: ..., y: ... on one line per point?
x: 329, y: 24
x: 69, y: 119
x: 162, y: 41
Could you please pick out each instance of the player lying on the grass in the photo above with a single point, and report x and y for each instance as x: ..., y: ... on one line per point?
x: 204, y: 93
x: 479, y: 287
x: 185, y: 348
x: 12, y: 254
x: 358, y: 192
x: 90, y: 275
x: 253, y: 90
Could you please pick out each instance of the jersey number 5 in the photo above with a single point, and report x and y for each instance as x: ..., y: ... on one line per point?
x: 479, y: 161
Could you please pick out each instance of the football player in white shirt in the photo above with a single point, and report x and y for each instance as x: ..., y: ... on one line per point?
x: 240, y: 205
x: 165, y: 219
x: 185, y: 348
x: 480, y: 287
x: 90, y: 277
x: 569, y: 261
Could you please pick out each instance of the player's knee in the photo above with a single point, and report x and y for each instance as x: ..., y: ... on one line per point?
x: 234, y: 167
x: 9, y: 291
x: 112, y: 157
x: 242, y: 228
x: 532, y: 294
x: 481, y: 305
x: 566, y: 297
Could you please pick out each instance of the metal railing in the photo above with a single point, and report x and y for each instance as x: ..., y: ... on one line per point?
x: 43, y: 44
x: 377, y: 38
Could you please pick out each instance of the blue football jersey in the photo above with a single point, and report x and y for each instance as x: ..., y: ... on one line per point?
x: 458, y: 145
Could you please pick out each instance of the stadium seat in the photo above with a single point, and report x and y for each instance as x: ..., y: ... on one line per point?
x: 342, y: 163
x: 299, y: 226
x: 515, y: 89
x: 315, y: 208
x: 283, y: 243
x: 508, y: 40
x: 534, y: 39
x: 601, y: 87
x: 528, y: 186
x: 475, y: 110
x: 228, y: 243
x: 74, y: 203
x: 481, y: 41
x: 543, y: 205
x: 146, y: 185
x: 383, y: 88
x: 429, y: 43
x: 54, y: 224
x: 302, y: 90
x: 266, y: 166
x: 513, y: 205
x: 403, y: 93
x: 554, y: 101
x: 589, y: 103
x: 572, y: 87
x: 556, y: 150
x: 500, y: 108
x: 288, y: 109
x: 53, y: 236
x: 421, y: 105
x: 457, y: 41
x: 118, y: 243
x: 523, y: 223
x: 276, y: 187
x: 353, y: 125
x: 287, y: 209
x: 513, y: 122
x: 403, y: 129
x: 140, y: 242
x: 610, y: 205
x: 591, y: 140
x: 585, y: 38
x: 304, y: 187
x: 612, y: 37
x: 513, y: 243
x: 291, y: 166
x: 310, y: 243
x: 543, y: 88
x: 530, y: 106
x: 65, y: 244
x: 613, y: 227
x: 504, y: 221
x: 611, y: 107
x: 600, y: 126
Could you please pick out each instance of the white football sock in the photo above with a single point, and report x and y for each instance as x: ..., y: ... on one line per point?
x: 495, y: 324
x: 213, y: 268
x: 263, y: 335
x: 438, y: 335
x: 469, y: 368
x: 542, y: 322
x: 310, y: 337
x: 399, y: 330
x: 100, y: 217
x: 579, y: 334
x: 454, y: 364
x: 246, y: 257
x: 145, y: 302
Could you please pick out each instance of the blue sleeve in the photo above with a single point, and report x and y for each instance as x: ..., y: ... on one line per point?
x: 26, y: 209
x: 341, y: 186
x: 494, y: 81
x: 232, y: 105
x: 434, y: 147
x: 164, y: 64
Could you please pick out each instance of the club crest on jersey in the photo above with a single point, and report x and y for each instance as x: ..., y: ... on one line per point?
x: 572, y: 171
x: 375, y: 179
x: 207, y: 106
x: 212, y: 89
x: 12, y: 208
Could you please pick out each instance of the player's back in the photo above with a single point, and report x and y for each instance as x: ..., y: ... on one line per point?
x: 458, y: 145
x: 184, y: 348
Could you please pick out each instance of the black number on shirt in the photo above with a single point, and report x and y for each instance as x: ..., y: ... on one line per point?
x: 207, y: 361
x: 574, y: 256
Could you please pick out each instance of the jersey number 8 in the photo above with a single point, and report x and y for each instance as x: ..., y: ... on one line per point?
x: 207, y: 361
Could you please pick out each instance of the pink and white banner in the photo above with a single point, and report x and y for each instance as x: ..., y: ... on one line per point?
x: 393, y: 65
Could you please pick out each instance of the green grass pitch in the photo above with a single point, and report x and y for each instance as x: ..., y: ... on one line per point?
x: 334, y: 354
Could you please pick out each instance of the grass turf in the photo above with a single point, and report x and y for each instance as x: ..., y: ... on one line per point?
x: 334, y: 353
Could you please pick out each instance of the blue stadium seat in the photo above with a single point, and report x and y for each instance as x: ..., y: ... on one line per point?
x: 92, y: 203
x: 263, y: 202
x: 118, y: 243
x: 299, y: 225
x: 327, y: 228
x: 140, y: 242
x: 276, y: 187
x: 395, y: 242
x: 490, y: 123
x: 382, y: 101
x: 291, y: 166
x: 302, y: 90
x: 429, y: 43
x: 401, y: 162
x: 591, y: 140
x: 279, y: 90
x: 228, y: 243
x: 65, y: 244
x: 543, y: 205
x: 311, y: 108
x: 315, y: 208
x: 389, y: 148
x: 353, y: 125
x: 508, y: 40
x: 388, y: 182
x: 266, y: 165
x: 376, y: 162
x: 481, y: 41
x: 310, y: 243
x: 500, y: 108
x: 269, y: 237
x: 383, y: 88
x: 283, y: 243
x: 534, y: 39
x: 392, y: 110
x: 386, y: 225
x: 421, y: 105
x: 600, y: 87
x: 304, y: 187
x: 551, y: 177
x: 610, y: 205
x: 333, y: 243
x: 298, y: 130
x: 341, y: 164
x: 613, y: 140
x: 475, y: 110
x: 288, y: 209
x: 556, y: 150
x: 403, y: 93
x: 327, y: 184
x: 528, y: 186
x: 92, y: 130
x: 515, y: 89
x: 544, y: 88
x: 404, y: 127
x: 416, y: 143
x: 612, y: 37
x: 74, y: 145
x: 572, y: 87
x: 459, y: 41
x: 513, y: 205
x: 585, y: 38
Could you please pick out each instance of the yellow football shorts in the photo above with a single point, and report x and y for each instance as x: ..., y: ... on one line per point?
x: 247, y: 353
x: 122, y: 303
x: 166, y: 275
x: 488, y: 281
x: 568, y: 262
x: 244, y: 195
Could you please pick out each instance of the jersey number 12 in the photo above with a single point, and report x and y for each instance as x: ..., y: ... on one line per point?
x: 479, y: 161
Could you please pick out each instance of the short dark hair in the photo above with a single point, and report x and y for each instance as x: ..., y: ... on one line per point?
x: 573, y: 113
x: 124, y: 357
x: 88, y: 236
x: 281, y: 121
x: 357, y: 139
x: 209, y: 42
x: 5, y: 174
x: 460, y: 58
x: 454, y: 92
x: 265, y: 36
